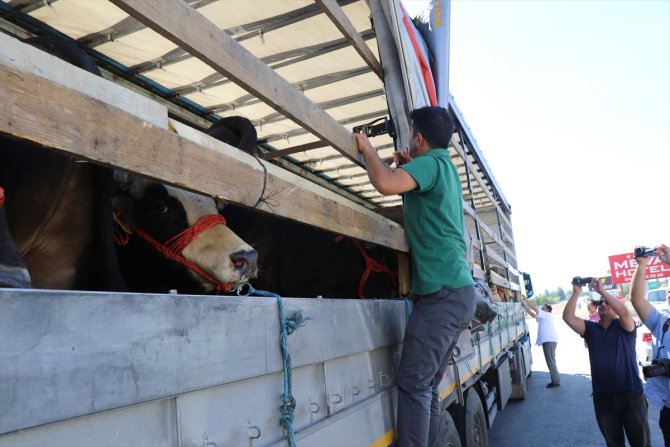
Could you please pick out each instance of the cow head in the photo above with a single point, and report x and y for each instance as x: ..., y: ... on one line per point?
x: 163, y: 212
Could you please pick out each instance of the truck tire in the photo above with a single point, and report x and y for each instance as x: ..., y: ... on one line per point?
x: 471, y: 422
x: 448, y: 436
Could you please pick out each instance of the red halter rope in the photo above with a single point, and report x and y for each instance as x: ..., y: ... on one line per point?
x: 173, y: 247
x: 370, y: 266
x: 2, y: 197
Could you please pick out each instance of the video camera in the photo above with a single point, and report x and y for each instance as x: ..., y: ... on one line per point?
x: 644, y: 251
x: 578, y: 280
x: 658, y: 367
x: 379, y: 126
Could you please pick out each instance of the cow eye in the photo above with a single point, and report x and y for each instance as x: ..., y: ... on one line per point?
x: 162, y: 208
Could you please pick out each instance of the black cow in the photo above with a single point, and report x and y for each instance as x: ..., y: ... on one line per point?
x: 60, y: 217
x: 302, y: 261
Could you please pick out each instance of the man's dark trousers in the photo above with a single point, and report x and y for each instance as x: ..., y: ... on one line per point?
x: 619, y: 412
x: 430, y: 336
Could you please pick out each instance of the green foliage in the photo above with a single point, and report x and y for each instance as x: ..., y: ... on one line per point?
x: 550, y: 297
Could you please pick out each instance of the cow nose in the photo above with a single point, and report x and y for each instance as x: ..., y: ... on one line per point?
x: 244, y: 261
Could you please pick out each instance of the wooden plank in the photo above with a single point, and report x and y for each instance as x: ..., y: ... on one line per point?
x: 55, y: 116
x: 496, y: 257
x: 26, y: 57
x: 473, y: 171
x: 294, y: 150
x: 186, y: 27
x: 499, y: 280
x: 342, y: 22
x: 478, y: 272
x: 495, y: 237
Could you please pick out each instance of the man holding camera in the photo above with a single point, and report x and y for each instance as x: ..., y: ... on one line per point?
x: 618, y: 401
x: 657, y: 389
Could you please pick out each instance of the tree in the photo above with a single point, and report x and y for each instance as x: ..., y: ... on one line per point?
x: 561, y: 293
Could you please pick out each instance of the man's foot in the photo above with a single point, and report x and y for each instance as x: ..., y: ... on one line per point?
x: 553, y: 385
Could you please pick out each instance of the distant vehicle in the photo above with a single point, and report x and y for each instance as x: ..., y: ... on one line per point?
x: 644, y: 338
x: 657, y: 299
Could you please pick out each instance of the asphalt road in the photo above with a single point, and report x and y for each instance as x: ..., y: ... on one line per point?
x: 562, y: 416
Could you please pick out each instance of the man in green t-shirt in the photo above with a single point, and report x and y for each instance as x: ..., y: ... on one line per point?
x: 442, y: 287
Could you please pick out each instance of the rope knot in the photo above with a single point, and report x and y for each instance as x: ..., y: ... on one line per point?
x: 296, y: 321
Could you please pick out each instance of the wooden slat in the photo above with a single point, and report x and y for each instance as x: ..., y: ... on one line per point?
x: 473, y: 171
x: 61, y: 118
x: 478, y: 272
x: 186, y: 27
x: 341, y: 21
x: 26, y: 57
x: 294, y: 150
x: 499, y: 280
x: 495, y: 237
x: 496, y: 257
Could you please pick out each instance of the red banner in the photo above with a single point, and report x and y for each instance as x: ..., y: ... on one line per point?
x: 623, y: 266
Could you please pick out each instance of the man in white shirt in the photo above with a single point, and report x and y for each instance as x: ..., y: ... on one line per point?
x: 547, y: 338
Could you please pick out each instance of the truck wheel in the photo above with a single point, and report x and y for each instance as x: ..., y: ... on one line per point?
x: 448, y: 436
x: 471, y: 422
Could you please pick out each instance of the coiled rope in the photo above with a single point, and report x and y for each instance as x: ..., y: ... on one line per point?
x: 286, y: 327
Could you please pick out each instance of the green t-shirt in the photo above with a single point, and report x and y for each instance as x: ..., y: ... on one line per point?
x: 434, y: 224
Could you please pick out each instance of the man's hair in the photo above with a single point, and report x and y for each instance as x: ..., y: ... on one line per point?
x: 435, y: 124
x: 549, y: 307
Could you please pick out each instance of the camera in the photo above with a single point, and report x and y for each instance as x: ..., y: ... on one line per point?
x: 379, y: 126
x: 578, y: 280
x: 644, y: 251
x: 658, y: 367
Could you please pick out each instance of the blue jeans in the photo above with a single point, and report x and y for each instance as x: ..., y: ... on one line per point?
x: 619, y: 412
x: 431, y: 334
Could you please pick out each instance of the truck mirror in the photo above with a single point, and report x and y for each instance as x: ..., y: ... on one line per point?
x: 528, y: 284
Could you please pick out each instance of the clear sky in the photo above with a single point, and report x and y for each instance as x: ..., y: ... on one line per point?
x: 570, y: 104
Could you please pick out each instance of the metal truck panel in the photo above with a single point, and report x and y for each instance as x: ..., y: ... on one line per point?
x: 67, y: 354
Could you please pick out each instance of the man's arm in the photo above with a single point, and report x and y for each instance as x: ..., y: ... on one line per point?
x: 572, y: 320
x: 530, y: 307
x: 385, y: 180
x: 625, y: 318
x: 637, y: 286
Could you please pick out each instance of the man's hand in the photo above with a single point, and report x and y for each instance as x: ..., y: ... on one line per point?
x: 576, y: 289
x: 401, y: 157
x: 363, y: 143
x: 597, y: 285
x: 642, y: 261
x: 662, y: 252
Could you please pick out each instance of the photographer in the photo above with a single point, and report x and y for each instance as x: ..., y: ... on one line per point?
x: 657, y: 388
x: 618, y: 401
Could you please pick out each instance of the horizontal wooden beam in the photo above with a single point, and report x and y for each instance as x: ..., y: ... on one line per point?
x: 28, y: 58
x: 190, y: 30
x: 342, y: 22
x: 294, y: 150
x: 59, y: 117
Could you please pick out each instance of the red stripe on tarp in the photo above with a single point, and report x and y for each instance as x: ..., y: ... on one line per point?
x: 425, y: 66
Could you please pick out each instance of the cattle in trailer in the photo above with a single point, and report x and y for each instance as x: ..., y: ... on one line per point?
x: 57, y: 223
x: 297, y: 260
x: 302, y: 261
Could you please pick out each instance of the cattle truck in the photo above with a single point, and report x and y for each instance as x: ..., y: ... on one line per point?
x: 81, y: 368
